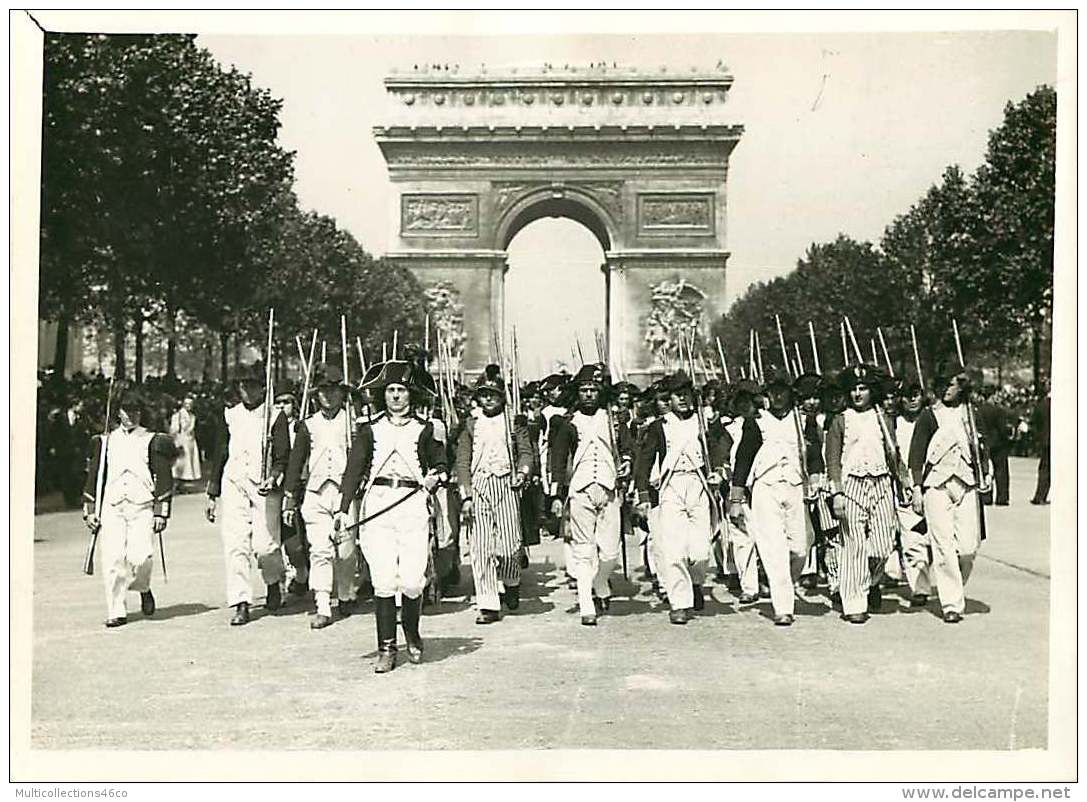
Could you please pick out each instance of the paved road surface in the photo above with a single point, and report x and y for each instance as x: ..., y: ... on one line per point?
x: 729, y: 680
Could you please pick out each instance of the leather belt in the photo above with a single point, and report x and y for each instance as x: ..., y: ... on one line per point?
x: 395, y: 483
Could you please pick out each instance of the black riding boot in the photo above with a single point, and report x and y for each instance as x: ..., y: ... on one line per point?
x: 409, y: 618
x: 385, y: 616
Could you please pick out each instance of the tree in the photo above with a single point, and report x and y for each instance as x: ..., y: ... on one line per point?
x: 158, y: 166
x: 1015, y: 191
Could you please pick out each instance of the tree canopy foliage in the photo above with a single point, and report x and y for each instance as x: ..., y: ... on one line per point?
x: 165, y: 191
x: 977, y: 248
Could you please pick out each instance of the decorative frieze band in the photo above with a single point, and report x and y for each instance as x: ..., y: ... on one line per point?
x: 439, y: 215
x: 676, y: 213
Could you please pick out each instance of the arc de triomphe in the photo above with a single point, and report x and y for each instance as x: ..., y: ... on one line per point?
x: 639, y: 158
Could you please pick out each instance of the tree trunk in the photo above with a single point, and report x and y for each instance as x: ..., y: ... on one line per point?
x: 224, y: 349
x: 1036, y: 355
x: 171, y: 342
x: 119, y: 371
x: 205, y: 373
x: 60, y: 350
x: 139, y: 348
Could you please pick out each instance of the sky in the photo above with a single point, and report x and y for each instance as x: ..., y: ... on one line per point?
x: 843, y: 132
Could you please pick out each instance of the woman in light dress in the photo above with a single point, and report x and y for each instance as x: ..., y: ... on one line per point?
x: 183, y: 429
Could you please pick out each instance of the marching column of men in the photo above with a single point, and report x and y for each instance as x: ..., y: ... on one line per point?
x: 836, y: 476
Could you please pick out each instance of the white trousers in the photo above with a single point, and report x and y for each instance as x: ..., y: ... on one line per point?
x: 250, y: 532
x: 396, y: 544
x: 332, y: 562
x: 783, y: 537
x: 594, y: 542
x: 951, y: 511
x: 684, y: 522
x: 744, y: 556
x: 915, y: 553
x: 125, y: 552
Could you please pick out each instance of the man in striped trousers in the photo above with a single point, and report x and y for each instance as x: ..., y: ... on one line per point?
x: 863, y: 468
x: 493, y: 462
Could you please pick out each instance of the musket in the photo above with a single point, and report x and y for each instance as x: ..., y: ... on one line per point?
x: 362, y: 356
x: 349, y: 412
x: 266, y: 441
x: 845, y: 349
x: 799, y: 359
x: 875, y: 356
x: 396, y: 337
x: 324, y: 352
x: 916, y: 357
x: 975, y: 441
x: 426, y: 334
x: 99, y: 486
x: 814, y: 349
x: 801, y: 443
x: 758, y: 356
x: 886, y: 356
x: 614, y: 456
x: 721, y: 356
x: 889, y: 446
x: 716, y: 517
x: 303, y: 412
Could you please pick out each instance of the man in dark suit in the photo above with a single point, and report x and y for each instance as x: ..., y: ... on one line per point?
x: 994, y: 426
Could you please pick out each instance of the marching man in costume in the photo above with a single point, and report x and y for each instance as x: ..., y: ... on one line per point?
x: 589, y: 457
x: 293, y: 532
x: 251, y: 502
x: 945, y: 490
x: 739, y: 407
x: 912, y: 527
x: 769, y: 463
x: 691, y: 471
x: 863, y: 470
x: 317, y: 462
x: 397, y: 463
x: 489, y: 476
x: 137, y: 482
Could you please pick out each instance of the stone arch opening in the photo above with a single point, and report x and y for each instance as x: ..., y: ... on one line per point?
x: 555, y: 293
x: 554, y: 203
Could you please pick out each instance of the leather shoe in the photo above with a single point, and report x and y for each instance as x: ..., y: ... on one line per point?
x: 699, y: 599
x: 275, y: 599
x: 116, y: 622
x: 588, y: 620
x: 297, y: 588
x: 346, y: 607
x: 147, y: 603
x: 809, y: 581
x: 241, y: 614
x: 918, y: 600
x: 512, y: 597
x: 951, y: 617
x: 601, y: 605
x: 855, y: 618
x: 386, y: 659
x: 487, y: 617
x: 415, y: 652
x: 677, y: 616
x: 320, y: 622
x: 749, y: 598
x: 785, y: 620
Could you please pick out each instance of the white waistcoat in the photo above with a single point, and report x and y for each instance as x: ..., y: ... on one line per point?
x: 949, y: 449
x: 683, y: 451
x: 490, y: 454
x: 396, y: 450
x: 327, y: 450
x: 862, y: 445
x: 244, y: 457
x: 903, y: 436
x: 593, y: 462
x: 778, y: 459
x: 127, y: 471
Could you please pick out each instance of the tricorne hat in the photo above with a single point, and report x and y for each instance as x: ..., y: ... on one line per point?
x: 490, y: 380
x: 396, y: 371
x: 593, y: 373
x: 808, y: 385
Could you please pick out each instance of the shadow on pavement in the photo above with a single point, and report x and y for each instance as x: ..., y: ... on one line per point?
x: 179, y: 610
x: 435, y: 649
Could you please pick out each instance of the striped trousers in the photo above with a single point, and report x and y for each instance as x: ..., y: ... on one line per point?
x: 868, y: 536
x: 494, y: 538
